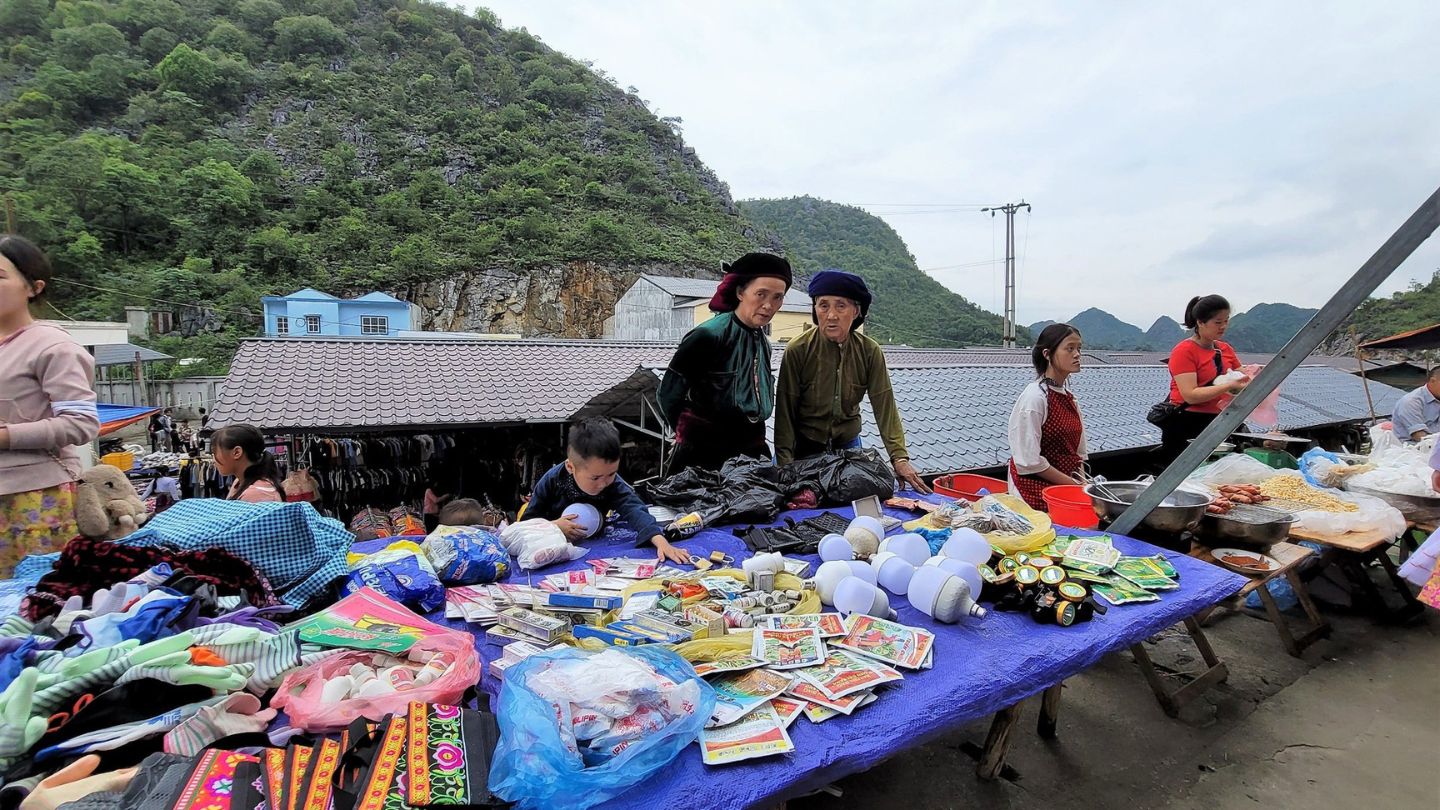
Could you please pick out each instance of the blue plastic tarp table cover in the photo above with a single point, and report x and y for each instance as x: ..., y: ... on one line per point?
x: 981, y: 666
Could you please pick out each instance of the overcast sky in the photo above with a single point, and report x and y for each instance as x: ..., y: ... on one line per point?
x: 1258, y: 150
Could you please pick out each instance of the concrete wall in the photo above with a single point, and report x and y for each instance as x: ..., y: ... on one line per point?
x: 646, y: 312
x: 185, y: 394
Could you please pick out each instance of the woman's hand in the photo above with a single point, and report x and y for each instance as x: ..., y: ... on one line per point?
x: 75, y: 781
x: 906, y: 474
x: 665, y: 551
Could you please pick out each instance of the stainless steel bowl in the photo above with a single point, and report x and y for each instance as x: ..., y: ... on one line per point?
x: 1252, y: 527
x: 1413, y: 507
x: 1179, y: 512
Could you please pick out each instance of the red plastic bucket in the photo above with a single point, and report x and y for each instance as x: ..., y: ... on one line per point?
x: 1070, y: 506
x: 964, y: 485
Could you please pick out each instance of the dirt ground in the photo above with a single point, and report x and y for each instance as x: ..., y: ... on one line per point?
x: 1355, y: 722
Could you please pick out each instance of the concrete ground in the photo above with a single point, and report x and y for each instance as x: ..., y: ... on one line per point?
x: 1353, y: 725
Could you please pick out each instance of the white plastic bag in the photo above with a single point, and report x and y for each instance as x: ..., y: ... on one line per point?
x: 1374, y: 514
x: 537, y: 543
x: 1236, y: 468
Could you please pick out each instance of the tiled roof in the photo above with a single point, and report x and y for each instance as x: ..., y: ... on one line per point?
x: 956, y: 417
x: 308, y: 384
x: 119, y: 354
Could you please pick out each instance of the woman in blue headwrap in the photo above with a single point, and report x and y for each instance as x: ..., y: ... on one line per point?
x: 719, y: 390
x: 825, y: 374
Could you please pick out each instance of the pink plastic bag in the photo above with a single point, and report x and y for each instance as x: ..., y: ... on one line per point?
x: 437, y: 667
x: 1267, y: 413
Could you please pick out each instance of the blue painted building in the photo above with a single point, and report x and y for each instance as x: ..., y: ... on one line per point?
x: 308, y: 312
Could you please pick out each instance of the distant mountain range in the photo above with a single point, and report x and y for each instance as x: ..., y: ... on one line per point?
x: 1265, y: 328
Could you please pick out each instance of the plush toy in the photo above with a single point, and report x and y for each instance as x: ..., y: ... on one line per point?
x: 106, y: 506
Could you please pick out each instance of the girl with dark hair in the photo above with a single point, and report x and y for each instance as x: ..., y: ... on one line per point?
x: 1195, y: 362
x: 240, y: 451
x: 47, y: 408
x: 1047, y: 434
x: 719, y: 390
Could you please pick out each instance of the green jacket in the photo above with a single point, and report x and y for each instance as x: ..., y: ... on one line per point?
x: 821, y: 386
x: 720, y: 372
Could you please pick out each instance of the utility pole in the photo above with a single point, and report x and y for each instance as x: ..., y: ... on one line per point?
x: 1008, y: 341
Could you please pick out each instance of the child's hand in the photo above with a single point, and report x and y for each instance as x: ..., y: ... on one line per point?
x: 665, y: 551
x: 573, y: 531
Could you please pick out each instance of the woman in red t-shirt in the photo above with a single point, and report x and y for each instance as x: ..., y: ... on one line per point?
x: 1195, y: 362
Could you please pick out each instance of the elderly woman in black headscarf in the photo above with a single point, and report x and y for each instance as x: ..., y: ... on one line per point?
x: 825, y: 374
x: 719, y: 390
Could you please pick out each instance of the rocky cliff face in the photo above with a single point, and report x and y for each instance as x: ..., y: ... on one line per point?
x: 564, y: 300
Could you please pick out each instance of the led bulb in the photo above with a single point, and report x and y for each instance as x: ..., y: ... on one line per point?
x: 912, y: 547
x: 586, y: 516
x: 835, y: 547
x: 829, y: 575
x: 857, y: 596
x: 892, y: 572
x: 862, y: 570
x: 967, y: 545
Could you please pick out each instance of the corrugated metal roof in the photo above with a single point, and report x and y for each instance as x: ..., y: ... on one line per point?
x: 119, y: 354
x: 956, y: 417
x: 306, y: 384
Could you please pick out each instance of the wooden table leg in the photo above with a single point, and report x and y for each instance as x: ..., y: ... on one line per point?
x: 1172, y: 702
x: 1278, y: 619
x: 1049, y: 712
x: 1409, y: 605
x: 997, y: 742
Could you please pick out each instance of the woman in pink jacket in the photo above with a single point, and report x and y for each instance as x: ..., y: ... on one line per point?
x: 47, y: 407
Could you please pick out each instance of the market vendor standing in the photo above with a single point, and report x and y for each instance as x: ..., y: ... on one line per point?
x: 827, y: 371
x: 718, y: 390
x: 1417, y: 414
x: 47, y: 408
x: 1047, y: 434
x: 1195, y: 362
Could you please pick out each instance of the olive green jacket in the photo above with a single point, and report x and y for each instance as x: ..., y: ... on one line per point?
x: 820, y: 389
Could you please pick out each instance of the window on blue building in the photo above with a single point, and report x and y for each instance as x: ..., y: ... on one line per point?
x: 312, y: 324
x: 374, y: 325
x: 282, y: 325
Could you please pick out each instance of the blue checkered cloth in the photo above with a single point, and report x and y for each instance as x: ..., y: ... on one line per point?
x: 299, y: 551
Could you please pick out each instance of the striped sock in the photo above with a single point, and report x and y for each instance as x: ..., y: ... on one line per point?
x: 238, y: 714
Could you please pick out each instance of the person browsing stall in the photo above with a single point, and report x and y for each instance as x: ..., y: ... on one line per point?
x: 240, y: 452
x: 1417, y: 414
x: 718, y: 390
x: 827, y: 371
x: 1195, y: 363
x: 590, y: 474
x: 47, y: 408
x: 1047, y: 433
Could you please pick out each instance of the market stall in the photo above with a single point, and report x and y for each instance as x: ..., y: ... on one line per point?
x: 981, y: 667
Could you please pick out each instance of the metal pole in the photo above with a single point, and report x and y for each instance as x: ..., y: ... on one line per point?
x: 1009, y: 341
x: 1360, y: 361
x: 1375, y: 270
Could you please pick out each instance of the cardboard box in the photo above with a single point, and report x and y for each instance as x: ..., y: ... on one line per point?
x: 498, y: 634
x: 711, y: 621
x: 498, y: 667
x: 520, y: 650
x: 611, y: 636
x: 546, y: 628
x: 580, y: 600
x: 653, y: 633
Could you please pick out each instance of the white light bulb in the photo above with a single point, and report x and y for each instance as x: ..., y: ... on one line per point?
x: 862, y: 570
x: 892, y: 572
x: 912, y: 547
x: 835, y: 547
x: 586, y: 516
x: 968, y: 545
x: 856, y: 596
x: 829, y: 575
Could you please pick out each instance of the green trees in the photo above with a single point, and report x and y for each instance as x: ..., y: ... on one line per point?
x: 167, y: 148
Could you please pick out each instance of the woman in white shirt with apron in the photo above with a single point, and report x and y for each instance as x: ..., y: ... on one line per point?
x: 1047, y: 433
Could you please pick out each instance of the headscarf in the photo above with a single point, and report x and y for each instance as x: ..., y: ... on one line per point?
x: 744, y: 269
x: 844, y: 285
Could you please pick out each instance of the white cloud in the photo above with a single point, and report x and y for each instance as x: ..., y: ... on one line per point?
x: 1260, y: 150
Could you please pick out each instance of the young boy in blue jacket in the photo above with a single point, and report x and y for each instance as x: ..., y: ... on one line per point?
x: 590, y: 474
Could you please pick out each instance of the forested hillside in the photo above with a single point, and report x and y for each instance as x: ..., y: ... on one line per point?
x: 207, y: 152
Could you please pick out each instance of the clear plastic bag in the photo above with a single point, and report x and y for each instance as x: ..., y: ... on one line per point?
x: 1267, y: 414
x: 578, y: 728
x: 536, y: 543
x: 1236, y: 468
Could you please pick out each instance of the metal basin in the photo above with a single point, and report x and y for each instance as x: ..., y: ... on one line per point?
x: 1179, y: 512
x: 1252, y: 527
x: 1413, y: 507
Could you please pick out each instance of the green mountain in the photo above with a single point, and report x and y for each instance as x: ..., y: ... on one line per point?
x: 206, y: 152
x: 1267, y: 327
x: 1164, y: 333
x: 1380, y: 317
x: 910, y: 307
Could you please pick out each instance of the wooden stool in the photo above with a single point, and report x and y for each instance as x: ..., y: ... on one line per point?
x: 1290, y: 557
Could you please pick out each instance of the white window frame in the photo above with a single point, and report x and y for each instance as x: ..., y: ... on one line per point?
x: 312, y: 324
x: 282, y: 325
x: 369, y: 324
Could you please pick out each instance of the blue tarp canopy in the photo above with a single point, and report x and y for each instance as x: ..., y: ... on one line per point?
x: 114, y: 417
